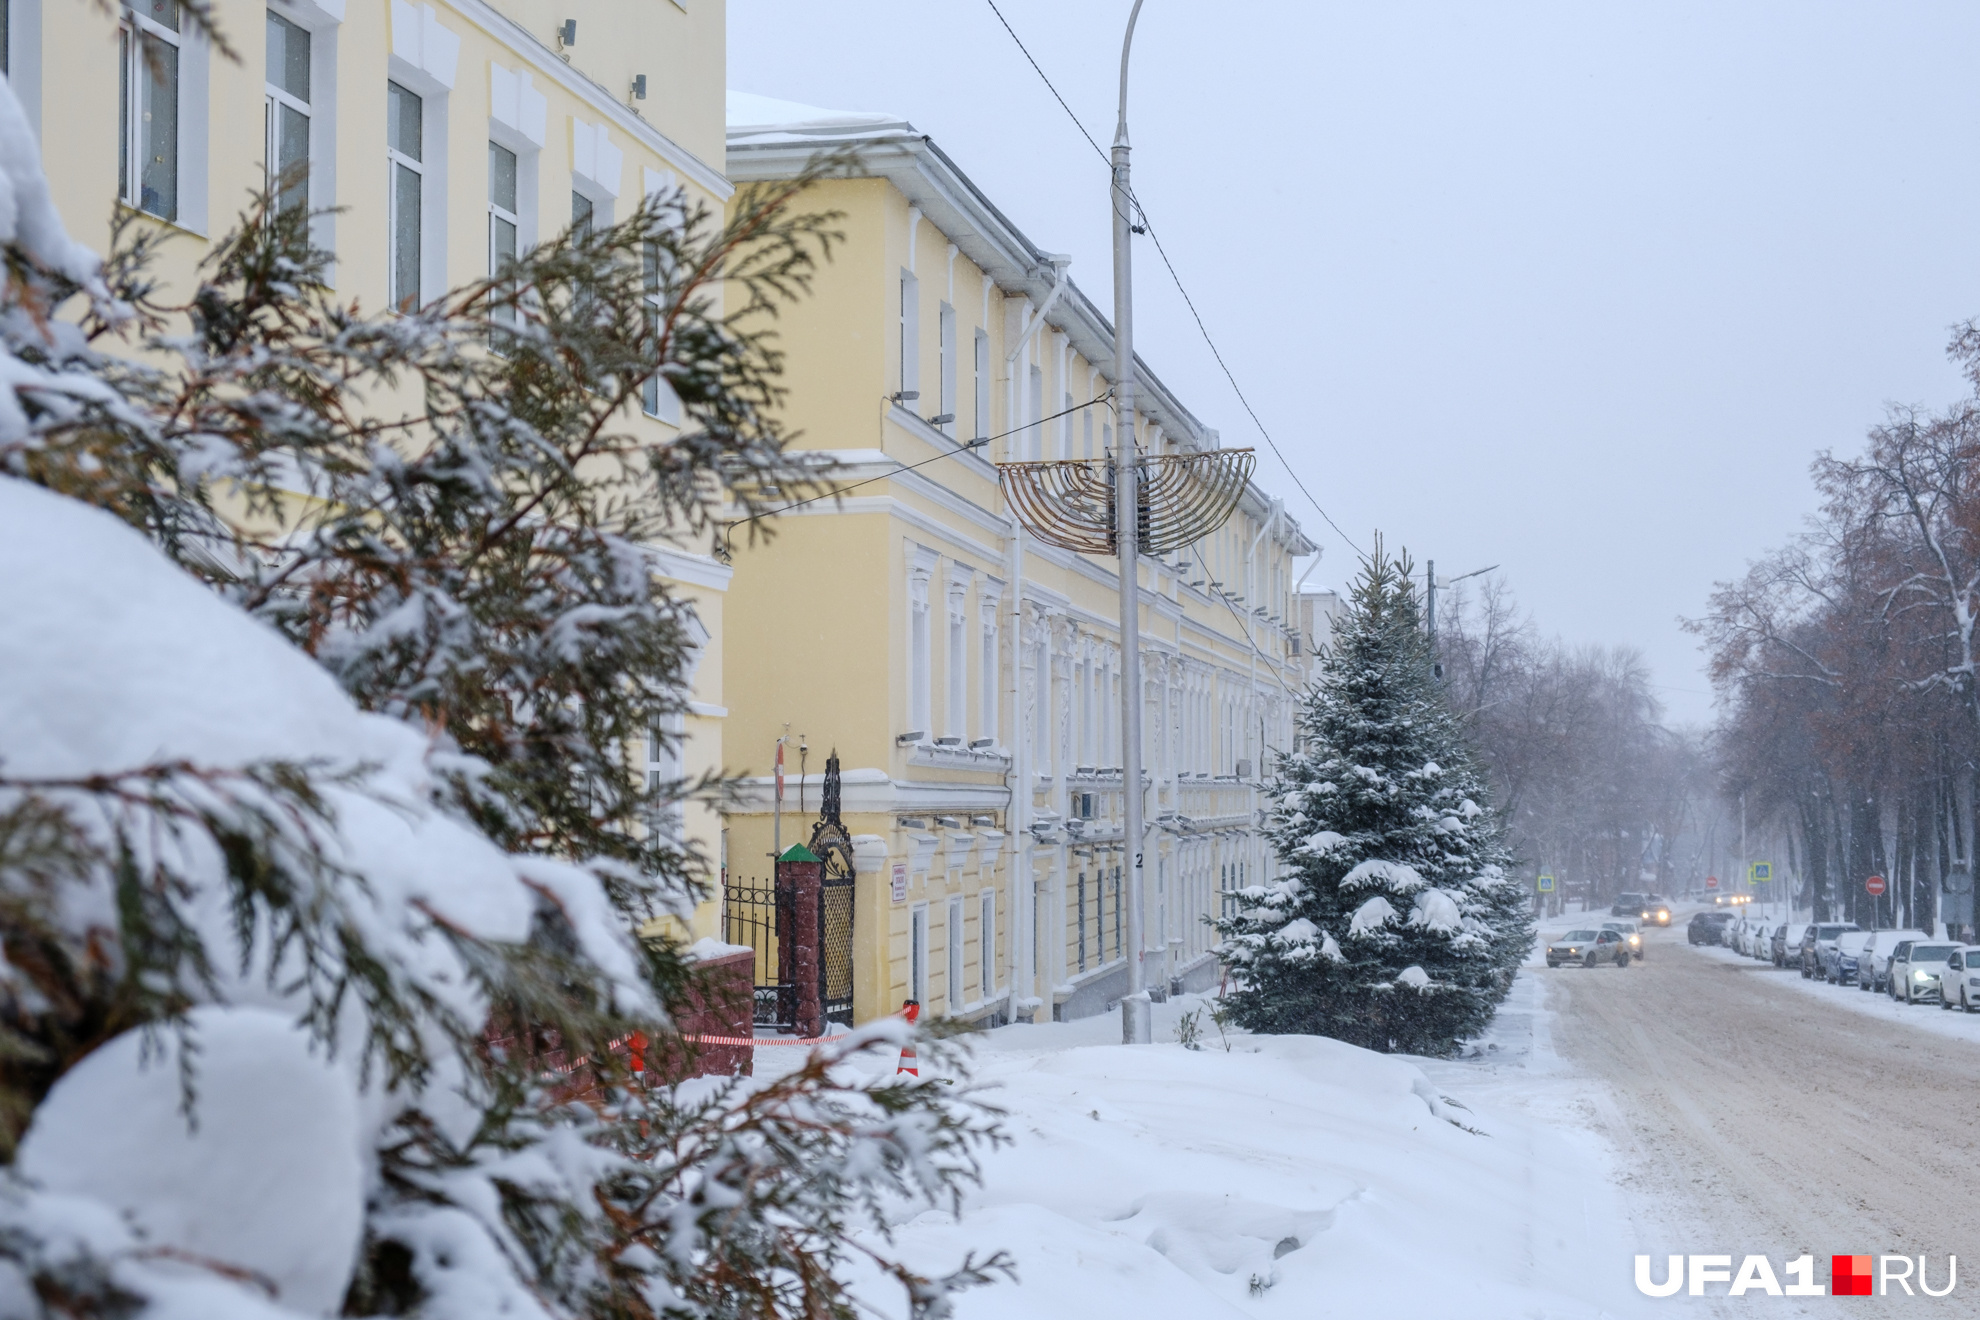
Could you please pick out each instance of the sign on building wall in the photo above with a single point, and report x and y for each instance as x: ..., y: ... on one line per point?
x: 900, y: 882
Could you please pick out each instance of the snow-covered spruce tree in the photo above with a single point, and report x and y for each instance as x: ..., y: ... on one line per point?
x: 313, y: 774
x: 1395, y: 925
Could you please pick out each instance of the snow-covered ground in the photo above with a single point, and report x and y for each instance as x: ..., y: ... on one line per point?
x: 1287, y: 1175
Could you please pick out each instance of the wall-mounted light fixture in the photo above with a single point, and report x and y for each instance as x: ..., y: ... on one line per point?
x: 639, y: 87
x: 567, y: 34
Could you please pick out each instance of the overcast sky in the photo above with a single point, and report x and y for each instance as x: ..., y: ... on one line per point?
x: 1575, y: 289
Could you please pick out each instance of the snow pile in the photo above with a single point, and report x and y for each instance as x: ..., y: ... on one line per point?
x: 1293, y: 1176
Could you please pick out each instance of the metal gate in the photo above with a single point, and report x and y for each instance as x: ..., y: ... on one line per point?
x: 832, y: 845
x: 763, y: 914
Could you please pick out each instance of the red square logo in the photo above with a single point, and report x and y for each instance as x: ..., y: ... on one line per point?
x: 1849, y: 1276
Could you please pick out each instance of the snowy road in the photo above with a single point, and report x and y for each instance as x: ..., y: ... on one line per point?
x: 1769, y: 1115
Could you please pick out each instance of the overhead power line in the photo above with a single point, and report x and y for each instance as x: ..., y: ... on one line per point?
x: 1188, y: 301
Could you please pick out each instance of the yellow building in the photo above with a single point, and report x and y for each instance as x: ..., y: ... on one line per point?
x: 446, y: 135
x: 968, y: 676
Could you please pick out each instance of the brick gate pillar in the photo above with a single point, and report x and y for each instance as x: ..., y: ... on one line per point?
x: 800, y: 875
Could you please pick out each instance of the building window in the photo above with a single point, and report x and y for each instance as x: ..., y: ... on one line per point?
x: 405, y: 131
x: 1086, y: 432
x: 956, y: 990
x: 657, y: 396
x: 986, y: 943
x: 1118, y: 945
x: 982, y: 385
x: 986, y: 671
x: 1035, y: 403
x: 957, y: 661
x: 910, y: 346
x: 947, y: 407
x: 148, y: 143
x: 581, y: 214
x: 920, y: 645
x: 918, y: 955
x: 1080, y: 900
x: 504, y: 220
x: 286, y: 114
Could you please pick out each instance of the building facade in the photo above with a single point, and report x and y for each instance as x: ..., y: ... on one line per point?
x: 968, y: 676
x: 432, y: 141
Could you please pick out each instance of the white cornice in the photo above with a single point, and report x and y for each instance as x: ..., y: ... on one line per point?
x: 695, y: 570
x: 873, y: 792
x: 540, y: 57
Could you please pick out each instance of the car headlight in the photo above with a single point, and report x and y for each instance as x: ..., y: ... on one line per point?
x: 1636, y: 939
x: 1921, y: 976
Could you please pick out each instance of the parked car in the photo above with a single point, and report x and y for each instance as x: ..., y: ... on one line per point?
x: 1762, y: 943
x: 1786, y: 943
x: 1959, y: 984
x: 1751, y: 930
x: 1708, y: 927
x: 1590, y: 947
x: 1628, y: 905
x: 1817, y: 942
x: 1917, y: 967
x: 1875, y: 964
x: 1631, y: 932
x: 1840, y: 965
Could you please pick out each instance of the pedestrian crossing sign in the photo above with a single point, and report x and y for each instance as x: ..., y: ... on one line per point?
x: 1759, y: 873
x: 1546, y: 884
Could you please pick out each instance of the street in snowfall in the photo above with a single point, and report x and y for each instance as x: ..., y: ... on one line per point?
x: 1007, y: 660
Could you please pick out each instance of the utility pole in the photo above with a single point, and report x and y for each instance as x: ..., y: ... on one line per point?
x: 1137, y: 1014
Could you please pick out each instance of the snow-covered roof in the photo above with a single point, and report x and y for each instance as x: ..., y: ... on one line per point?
x: 754, y: 118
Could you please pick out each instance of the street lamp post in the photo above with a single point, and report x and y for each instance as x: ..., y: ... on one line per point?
x: 1137, y: 1014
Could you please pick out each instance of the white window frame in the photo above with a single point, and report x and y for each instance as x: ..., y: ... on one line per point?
x: 953, y: 991
x: 982, y: 399
x: 986, y: 942
x: 395, y: 161
x: 500, y: 215
x: 946, y: 318
x: 987, y: 601
x: 920, y: 712
x: 956, y: 662
x: 910, y: 337
x: 918, y: 954
x: 275, y: 97
x: 189, y: 144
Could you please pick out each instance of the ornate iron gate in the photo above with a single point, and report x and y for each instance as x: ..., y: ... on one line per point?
x: 763, y: 915
x: 833, y: 847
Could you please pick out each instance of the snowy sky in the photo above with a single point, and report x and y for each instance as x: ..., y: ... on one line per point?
x: 1575, y: 289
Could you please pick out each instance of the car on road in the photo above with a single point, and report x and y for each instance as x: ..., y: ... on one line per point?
x: 1840, y: 968
x: 1591, y: 947
x: 1875, y: 964
x: 1786, y: 942
x: 1959, y: 984
x: 1631, y: 932
x: 1629, y: 905
x: 1656, y: 910
x: 1817, y: 942
x: 1708, y: 927
x: 1917, y: 967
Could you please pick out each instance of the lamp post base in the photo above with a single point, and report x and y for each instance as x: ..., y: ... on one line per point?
x: 1137, y: 1020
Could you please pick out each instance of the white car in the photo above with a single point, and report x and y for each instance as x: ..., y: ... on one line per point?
x: 1632, y: 933
x: 1761, y: 944
x: 1874, y: 963
x: 1917, y: 968
x: 1787, y: 945
x: 1959, y: 984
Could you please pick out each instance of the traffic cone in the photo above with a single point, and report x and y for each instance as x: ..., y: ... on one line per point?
x: 636, y: 1052
x: 911, y: 1010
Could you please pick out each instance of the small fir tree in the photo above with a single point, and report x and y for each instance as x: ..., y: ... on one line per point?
x: 1396, y: 925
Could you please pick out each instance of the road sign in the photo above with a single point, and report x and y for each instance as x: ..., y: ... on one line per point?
x: 1874, y: 886
x: 1759, y: 873
x: 1546, y: 884
x: 1711, y: 882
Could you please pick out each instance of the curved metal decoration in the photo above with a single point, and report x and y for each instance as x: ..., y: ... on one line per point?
x: 832, y: 844
x: 1069, y: 503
